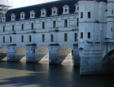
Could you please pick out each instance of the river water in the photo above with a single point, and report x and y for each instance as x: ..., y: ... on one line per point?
x: 43, y: 75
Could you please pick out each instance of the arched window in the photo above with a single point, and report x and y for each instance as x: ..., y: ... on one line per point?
x: 10, y: 39
x: 52, y: 38
x: 65, y: 37
x: 3, y: 39
x: 75, y: 37
x: 43, y: 38
x: 65, y: 23
x: 22, y: 38
x: 54, y: 24
x: 30, y: 38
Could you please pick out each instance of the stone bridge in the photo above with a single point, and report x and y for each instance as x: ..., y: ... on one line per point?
x: 53, y: 53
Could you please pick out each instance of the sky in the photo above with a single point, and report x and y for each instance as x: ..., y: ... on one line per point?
x: 22, y: 3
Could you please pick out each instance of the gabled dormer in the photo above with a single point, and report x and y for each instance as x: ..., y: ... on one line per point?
x: 66, y: 9
x: 32, y: 14
x: 43, y: 12
x: 76, y: 8
x: 22, y: 15
x: 13, y: 17
x: 54, y: 11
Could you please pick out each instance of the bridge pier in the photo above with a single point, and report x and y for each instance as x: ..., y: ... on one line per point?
x: 11, y: 53
x: 76, y: 57
x: 91, y: 61
x: 30, y: 53
x: 54, y: 54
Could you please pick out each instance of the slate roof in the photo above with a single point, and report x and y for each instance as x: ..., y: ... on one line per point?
x: 59, y: 4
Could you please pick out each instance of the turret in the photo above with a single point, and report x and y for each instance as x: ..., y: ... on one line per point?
x: 110, y: 19
x: 92, y: 28
x: 92, y: 21
x: 3, y: 9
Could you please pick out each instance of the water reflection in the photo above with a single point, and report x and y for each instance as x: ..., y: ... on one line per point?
x: 43, y: 75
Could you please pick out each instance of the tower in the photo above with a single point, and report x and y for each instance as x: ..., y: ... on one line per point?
x: 110, y: 19
x: 92, y: 26
x: 3, y: 9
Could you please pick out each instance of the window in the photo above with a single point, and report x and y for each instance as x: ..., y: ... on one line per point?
x: 32, y: 26
x: 3, y: 39
x: 52, y: 38
x: 89, y: 14
x: 22, y: 15
x: 3, y: 28
x: 43, y: 25
x: 65, y: 23
x: 81, y: 36
x: 43, y: 12
x: 10, y: 39
x: 54, y: 24
x: 12, y: 17
x: 22, y: 38
x: 32, y: 14
x: 81, y: 16
x: 13, y: 28
x: 43, y: 38
x: 77, y: 8
x: 77, y: 22
x: 65, y: 37
x: 22, y: 26
x: 75, y: 37
x: 54, y: 11
x: 66, y: 9
x: 30, y: 38
x: 89, y: 35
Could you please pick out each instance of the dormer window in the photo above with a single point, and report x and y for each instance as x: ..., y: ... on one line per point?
x: 54, y: 11
x: 43, y: 12
x: 76, y: 7
x: 32, y: 14
x: 66, y: 9
x: 22, y: 15
x: 13, y: 17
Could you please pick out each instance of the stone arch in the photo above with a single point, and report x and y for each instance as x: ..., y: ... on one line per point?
x: 109, y: 60
x: 3, y: 52
x: 42, y: 54
x: 21, y: 53
x: 66, y: 55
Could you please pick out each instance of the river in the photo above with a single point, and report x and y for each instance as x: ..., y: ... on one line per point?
x: 42, y: 75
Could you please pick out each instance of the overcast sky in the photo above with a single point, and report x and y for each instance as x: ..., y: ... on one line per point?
x: 22, y: 3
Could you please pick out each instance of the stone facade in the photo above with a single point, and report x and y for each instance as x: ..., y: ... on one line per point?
x: 85, y: 26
